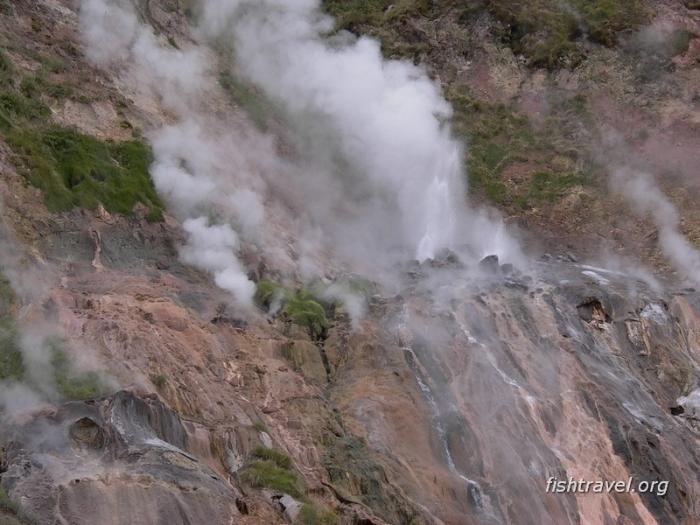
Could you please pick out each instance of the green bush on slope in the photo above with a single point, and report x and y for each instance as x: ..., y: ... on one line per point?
x: 300, y: 307
x: 267, y: 474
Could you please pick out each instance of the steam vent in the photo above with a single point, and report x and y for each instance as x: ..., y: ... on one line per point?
x: 349, y: 262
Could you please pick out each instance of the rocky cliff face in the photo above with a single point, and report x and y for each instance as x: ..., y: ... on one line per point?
x: 134, y: 392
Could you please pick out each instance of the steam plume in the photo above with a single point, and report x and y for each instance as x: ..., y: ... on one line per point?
x: 376, y: 176
x: 388, y: 118
x: 641, y: 191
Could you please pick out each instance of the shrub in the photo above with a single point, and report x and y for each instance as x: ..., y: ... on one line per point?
x: 303, y: 310
x: 159, y: 381
x: 266, y: 474
x: 299, y: 307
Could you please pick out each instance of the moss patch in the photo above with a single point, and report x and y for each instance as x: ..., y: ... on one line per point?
x: 351, y: 468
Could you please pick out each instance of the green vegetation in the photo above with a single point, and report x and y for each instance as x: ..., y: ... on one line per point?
x: 267, y: 291
x: 78, y: 170
x: 11, y: 365
x: 498, y: 138
x: 278, y: 457
x: 299, y: 307
x: 267, y: 474
x: 260, y: 426
x: 544, y: 31
x: 545, y: 186
x: 303, y: 310
x: 350, y: 14
x: 312, y: 515
x: 71, y: 385
x: 249, y: 99
x: 351, y: 468
x: 159, y: 381
x: 7, y: 296
x: 382, y: 19
x: 72, y: 169
x: 8, y: 506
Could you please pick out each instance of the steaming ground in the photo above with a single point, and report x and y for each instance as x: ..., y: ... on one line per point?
x: 381, y: 183
x: 646, y: 199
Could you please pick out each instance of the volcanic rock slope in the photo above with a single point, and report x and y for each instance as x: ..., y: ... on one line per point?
x: 165, y: 405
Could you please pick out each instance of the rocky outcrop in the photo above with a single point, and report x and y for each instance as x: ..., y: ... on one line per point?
x: 122, y: 459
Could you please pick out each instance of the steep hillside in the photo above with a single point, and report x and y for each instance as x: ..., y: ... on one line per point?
x: 211, y: 310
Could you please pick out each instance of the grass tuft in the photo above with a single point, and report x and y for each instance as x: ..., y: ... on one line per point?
x: 279, y: 458
x: 266, y: 474
x: 159, y: 381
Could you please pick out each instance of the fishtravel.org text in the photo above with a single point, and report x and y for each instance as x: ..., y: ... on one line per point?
x: 571, y: 485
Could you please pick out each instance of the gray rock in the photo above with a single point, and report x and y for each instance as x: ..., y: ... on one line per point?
x: 290, y: 508
x: 489, y: 264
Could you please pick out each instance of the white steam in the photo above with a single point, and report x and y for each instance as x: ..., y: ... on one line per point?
x: 646, y: 199
x: 387, y: 119
x: 212, y: 248
x: 188, y: 164
x: 372, y: 175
